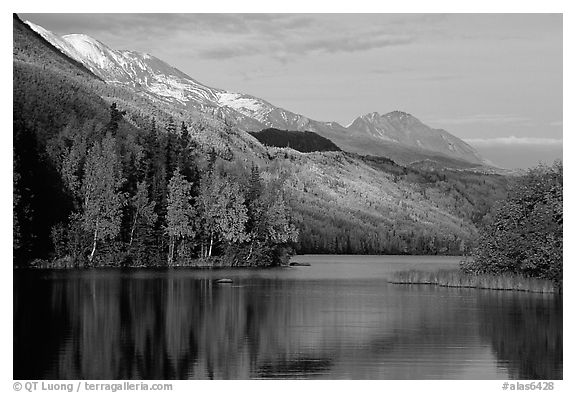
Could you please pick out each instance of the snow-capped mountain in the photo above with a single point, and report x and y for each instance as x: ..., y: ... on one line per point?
x: 148, y: 73
x: 139, y: 70
x: 373, y: 133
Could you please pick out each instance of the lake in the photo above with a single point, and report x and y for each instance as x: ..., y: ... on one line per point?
x: 336, y: 319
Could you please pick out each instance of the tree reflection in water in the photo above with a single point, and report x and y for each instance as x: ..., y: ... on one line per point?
x: 525, y: 331
x: 168, y: 325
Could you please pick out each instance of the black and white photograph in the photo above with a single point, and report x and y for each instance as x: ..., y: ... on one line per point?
x: 305, y: 195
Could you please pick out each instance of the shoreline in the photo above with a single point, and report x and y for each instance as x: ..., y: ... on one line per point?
x: 65, y: 263
x: 215, y: 263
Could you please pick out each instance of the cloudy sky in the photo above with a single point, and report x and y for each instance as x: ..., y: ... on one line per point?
x: 494, y: 80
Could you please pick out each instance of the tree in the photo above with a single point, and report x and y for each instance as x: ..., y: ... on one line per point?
x: 254, y: 184
x: 279, y: 228
x: 71, y: 168
x: 186, y: 155
x: 102, y: 206
x: 179, y: 216
x: 222, y: 210
x: 172, y: 147
x: 115, y: 118
x: 143, y: 209
x: 183, y: 141
x: 271, y: 226
x: 524, y: 233
x: 154, y: 168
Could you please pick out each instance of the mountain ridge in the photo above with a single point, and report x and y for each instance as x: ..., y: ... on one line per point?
x: 371, y: 133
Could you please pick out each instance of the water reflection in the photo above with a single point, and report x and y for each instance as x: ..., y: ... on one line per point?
x: 525, y: 332
x: 170, y: 325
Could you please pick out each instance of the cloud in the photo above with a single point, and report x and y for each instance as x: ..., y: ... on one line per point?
x: 357, y: 43
x: 514, y: 141
x: 303, y: 44
x: 228, y: 36
x: 494, y: 119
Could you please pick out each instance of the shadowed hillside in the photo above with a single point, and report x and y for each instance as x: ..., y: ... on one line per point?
x: 303, y: 141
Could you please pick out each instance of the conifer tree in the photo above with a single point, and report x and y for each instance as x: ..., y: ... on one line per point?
x: 143, y: 209
x: 172, y: 147
x: 71, y: 168
x: 155, y: 170
x: 115, y: 117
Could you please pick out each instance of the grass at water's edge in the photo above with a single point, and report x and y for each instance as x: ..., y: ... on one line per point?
x: 458, y: 279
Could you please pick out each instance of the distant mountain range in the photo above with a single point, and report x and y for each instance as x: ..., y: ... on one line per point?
x: 397, y: 135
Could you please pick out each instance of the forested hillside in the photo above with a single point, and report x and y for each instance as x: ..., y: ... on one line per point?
x: 105, y: 174
x: 347, y: 204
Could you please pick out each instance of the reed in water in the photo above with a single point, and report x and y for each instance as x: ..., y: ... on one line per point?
x: 458, y: 279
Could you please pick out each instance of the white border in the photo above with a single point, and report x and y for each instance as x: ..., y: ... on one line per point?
x: 492, y: 6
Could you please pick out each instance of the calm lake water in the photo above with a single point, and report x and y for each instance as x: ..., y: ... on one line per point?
x: 337, y: 319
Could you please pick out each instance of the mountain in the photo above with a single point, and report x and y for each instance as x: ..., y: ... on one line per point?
x: 396, y: 135
x: 401, y: 128
x: 342, y: 202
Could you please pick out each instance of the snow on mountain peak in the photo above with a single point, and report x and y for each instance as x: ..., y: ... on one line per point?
x: 55, y: 40
x: 131, y: 68
x: 245, y: 104
x: 39, y: 29
x: 90, y: 49
x: 82, y: 38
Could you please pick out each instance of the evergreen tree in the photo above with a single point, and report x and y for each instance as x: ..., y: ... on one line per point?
x: 155, y: 168
x: 71, y: 168
x: 115, y: 118
x: 186, y: 156
x: 183, y: 140
x: 172, y: 147
x: 143, y: 210
x: 254, y: 184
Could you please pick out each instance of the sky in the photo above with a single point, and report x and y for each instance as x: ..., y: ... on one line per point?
x: 494, y: 80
